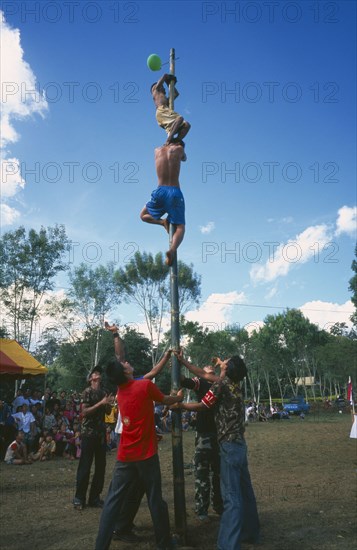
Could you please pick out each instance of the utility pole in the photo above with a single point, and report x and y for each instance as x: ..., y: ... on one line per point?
x: 177, y: 448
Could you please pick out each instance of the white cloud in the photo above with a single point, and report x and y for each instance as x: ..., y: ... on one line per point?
x: 11, y: 180
x: 287, y: 255
x: 19, y: 100
x: 8, y: 215
x: 207, y: 228
x: 346, y: 221
x: 326, y: 314
x: 216, y: 312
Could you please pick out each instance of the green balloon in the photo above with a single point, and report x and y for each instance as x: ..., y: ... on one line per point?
x: 154, y: 62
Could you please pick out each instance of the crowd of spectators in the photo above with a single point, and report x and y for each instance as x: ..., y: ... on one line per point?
x: 49, y: 427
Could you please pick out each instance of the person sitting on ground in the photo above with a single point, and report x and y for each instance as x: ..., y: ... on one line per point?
x: 47, y: 450
x: 167, y: 198
x: 169, y: 120
x: 16, y: 452
x: 63, y: 440
x: 26, y: 422
x: 49, y: 420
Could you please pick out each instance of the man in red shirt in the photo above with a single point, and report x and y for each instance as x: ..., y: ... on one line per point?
x: 137, y: 456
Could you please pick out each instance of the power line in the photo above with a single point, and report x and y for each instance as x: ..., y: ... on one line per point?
x: 280, y: 307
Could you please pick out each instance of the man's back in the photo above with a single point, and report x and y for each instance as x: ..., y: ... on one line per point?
x: 168, y: 163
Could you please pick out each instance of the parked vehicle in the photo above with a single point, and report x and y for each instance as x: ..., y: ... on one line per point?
x: 297, y: 405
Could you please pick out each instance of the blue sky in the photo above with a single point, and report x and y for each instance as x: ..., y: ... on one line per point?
x: 270, y: 179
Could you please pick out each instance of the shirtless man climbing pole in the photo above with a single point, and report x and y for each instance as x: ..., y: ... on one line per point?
x: 168, y: 197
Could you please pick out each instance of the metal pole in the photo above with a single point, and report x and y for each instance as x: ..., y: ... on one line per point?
x: 177, y: 448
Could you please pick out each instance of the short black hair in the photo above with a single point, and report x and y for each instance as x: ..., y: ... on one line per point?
x: 115, y: 372
x: 236, y: 369
x: 97, y: 368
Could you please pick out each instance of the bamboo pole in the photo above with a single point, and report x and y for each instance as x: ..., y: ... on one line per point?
x: 177, y: 448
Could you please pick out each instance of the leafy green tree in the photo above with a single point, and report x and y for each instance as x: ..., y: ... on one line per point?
x: 48, y: 347
x: 29, y: 265
x: 92, y: 295
x: 337, y: 361
x: 145, y: 281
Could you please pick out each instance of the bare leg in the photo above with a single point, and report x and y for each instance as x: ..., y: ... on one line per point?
x: 174, y: 129
x: 176, y: 241
x: 148, y: 218
x: 183, y: 131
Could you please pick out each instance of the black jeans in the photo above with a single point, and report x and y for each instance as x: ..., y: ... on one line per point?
x: 91, y: 447
x: 125, y: 476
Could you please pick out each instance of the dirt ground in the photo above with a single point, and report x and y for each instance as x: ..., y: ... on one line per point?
x: 303, y: 472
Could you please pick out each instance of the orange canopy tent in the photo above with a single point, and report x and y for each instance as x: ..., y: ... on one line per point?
x: 16, y: 362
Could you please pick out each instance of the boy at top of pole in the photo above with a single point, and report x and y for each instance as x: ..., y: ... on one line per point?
x: 173, y: 123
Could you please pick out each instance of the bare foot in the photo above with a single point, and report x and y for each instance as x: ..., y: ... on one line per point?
x: 169, y: 257
x: 166, y: 225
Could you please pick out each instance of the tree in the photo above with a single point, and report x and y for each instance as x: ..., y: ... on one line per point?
x: 145, y: 281
x: 92, y: 295
x: 29, y: 265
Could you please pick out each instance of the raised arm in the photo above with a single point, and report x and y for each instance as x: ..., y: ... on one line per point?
x: 161, y: 81
x: 197, y: 371
x: 119, y: 347
x: 158, y: 368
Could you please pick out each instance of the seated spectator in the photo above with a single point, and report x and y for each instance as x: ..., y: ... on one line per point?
x: 63, y: 399
x: 251, y: 411
x: 76, y: 402
x: 185, y: 420
x: 49, y: 421
x: 56, y: 412
x: 16, y: 452
x: 62, y: 419
x: 262, y: 415
x: 53, y: 401
x: 47, y: 449
x: 26, y: 422
x: 69, y: 412
x: 63, y: 441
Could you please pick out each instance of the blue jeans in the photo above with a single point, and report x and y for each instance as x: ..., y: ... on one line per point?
x: 239, y: 521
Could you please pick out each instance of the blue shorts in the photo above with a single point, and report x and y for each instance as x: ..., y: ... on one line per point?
x: 167, y: 199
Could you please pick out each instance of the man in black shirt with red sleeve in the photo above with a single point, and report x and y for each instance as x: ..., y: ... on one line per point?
x: 206, y: 460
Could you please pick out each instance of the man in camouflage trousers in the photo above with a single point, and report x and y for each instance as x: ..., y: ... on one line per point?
x: 206, y: 459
